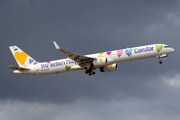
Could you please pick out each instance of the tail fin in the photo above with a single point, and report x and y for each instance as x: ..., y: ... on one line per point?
x: 21, y: 57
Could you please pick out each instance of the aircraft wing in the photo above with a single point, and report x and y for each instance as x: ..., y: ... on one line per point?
x: 76, y: 57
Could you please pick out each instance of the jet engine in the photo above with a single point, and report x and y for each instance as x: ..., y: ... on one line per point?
x: 109, y: 68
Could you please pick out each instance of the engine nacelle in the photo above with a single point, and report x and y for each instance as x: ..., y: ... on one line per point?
x: 109, y: 68
x: 111, y: 60
x: 163, y: 56
x: 100, y: 62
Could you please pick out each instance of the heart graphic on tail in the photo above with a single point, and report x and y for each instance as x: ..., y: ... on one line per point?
x: 21, y: 57
x: 31, y: 61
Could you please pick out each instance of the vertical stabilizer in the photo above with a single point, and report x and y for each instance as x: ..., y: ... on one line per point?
x: 21, y: 57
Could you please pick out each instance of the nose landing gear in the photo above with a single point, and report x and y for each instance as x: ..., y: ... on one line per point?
x: 159, y: 58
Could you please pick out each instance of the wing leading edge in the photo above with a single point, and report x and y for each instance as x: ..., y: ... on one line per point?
x: 76, y: 57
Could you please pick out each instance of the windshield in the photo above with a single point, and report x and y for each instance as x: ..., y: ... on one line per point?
x: 166, y: 46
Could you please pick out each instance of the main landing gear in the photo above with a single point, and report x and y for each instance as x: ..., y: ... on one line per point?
x: 90, y: 71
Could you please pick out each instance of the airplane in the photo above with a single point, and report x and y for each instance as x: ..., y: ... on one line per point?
x: 106, y: 61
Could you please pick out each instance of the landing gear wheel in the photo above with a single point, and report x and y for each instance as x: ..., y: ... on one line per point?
x: 86, y: 71
x: 160, y: 62
x: 90, y: 71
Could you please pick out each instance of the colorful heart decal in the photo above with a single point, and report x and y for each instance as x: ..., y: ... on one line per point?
x: 101, y: 53
x: 31, y: 61
x: 128, y: 52
x: 110, y: 65
x: 119, y: 53
x: 100, y: 60
x: 95, y: 60
x: 108, y: 53
x: 21, y: 57
x: 35, y: 63
x: 48, y: 61
x: 159, y: 47
x: 68, y: 67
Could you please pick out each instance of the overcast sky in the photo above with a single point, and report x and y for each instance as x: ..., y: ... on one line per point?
x: 140, y: 90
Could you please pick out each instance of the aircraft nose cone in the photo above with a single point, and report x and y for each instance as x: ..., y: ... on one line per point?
x: 172, y: 50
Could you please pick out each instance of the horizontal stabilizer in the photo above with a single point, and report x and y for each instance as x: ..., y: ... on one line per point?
x: 18, y: 68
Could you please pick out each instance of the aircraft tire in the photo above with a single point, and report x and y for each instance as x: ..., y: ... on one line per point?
x: 86, y: 71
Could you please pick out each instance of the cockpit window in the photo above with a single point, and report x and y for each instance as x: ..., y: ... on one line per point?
x: 166, y: 46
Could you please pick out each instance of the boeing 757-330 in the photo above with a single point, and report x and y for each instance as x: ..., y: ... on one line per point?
x: 106, y: 61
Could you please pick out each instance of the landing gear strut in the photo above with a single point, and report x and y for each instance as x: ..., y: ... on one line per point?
x: 159, y: 58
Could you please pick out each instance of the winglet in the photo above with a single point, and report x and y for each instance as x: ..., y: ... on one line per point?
x: 56, y: 45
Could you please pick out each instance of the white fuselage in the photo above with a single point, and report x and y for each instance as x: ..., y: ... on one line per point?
x: 116, y: 56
